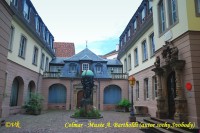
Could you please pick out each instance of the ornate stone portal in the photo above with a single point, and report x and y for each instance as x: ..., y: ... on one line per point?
x: 170, y: 55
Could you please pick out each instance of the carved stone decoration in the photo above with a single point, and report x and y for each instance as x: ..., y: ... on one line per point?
x: 157, y: 62
x: 170, y: 54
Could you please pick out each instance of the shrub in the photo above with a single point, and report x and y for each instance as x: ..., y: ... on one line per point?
x: 124, y: 103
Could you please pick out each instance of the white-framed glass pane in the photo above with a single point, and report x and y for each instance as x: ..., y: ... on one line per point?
x: 85, y: 66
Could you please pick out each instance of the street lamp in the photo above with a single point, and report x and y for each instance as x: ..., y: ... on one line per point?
x: 132, y: 117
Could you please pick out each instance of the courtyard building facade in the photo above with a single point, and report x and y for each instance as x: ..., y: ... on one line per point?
x: 160, y: 47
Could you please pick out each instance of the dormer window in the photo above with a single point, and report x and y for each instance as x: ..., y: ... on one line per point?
x: 98, y: 68
x: 143, y: 14
x: 150, y: 6
x: 135, y: 25
x: 43, y: 32
x: 85, y: 66
x: 47, y: 37
x: 37, y: 24
x: 72, y: 68
x: 129, y: 32
x: 26, y: 10
x: 14, y: 2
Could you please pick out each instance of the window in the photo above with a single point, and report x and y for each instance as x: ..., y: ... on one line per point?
x: 150, y: 6
x: 35, y: 55
x: 72, y: 68
x: 125, y: 38
x: 15, y: 2
x: 47, y: 64
x: 161, y: 16
x: 144, y: 50
x: 12, y: 29
x: 43, y: 32
x: 99, y: 68
x: 197, y: 4
x: 47, y: 37
x: 85, y: 66
x: 136, y: 56
x: 172, y: 5
x: 129, y: 32
x: 152, y: 45
x: 42, y: 61
x: 155, y: 89
x: 37, y: 24
x: 146, y: 89
x: 129, y: 62
x: 143, y: 14
x: 51, y: 42
x: 135, y: 25
x: 22, y: 47
x: 137, y: 90
x: 26, y: 10
x: 125, y: 65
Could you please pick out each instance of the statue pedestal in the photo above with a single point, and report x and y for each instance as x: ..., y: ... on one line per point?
x: 160, y: 113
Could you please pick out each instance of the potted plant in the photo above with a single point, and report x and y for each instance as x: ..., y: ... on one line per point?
x: 123, y: 105
x: 34, y: 104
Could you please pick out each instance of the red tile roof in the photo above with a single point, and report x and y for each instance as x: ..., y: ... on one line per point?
x: 64, y: 49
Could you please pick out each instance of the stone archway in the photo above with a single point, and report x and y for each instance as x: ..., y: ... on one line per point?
x: 31, y: 89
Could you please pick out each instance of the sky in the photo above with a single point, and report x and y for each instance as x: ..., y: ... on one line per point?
x: 99, y: 22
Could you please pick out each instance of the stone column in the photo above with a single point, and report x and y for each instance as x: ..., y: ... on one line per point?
x: 160, y: 113
x: 180, y: 100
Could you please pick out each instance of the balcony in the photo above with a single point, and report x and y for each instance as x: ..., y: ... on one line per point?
x: 51, y: 75
x: 119, y: 75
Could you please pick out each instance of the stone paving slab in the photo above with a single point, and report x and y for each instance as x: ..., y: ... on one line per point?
x: 60, y: 122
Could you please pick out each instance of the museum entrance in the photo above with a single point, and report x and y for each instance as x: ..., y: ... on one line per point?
x: 171, y: 87
x: 79, y: 98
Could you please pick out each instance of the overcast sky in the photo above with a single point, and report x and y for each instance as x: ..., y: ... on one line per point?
x: 100, y: 22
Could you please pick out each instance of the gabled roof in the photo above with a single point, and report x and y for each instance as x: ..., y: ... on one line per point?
x: 58, y: 60
x: 113, y: 62
x: 86, y: 54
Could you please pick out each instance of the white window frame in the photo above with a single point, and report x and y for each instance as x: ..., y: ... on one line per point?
x: 135, y: 25
x: 136, y: 57
x: 129, y: 32
x: 26, y: 10
x: 137, y: 90
x: 155, y: 88
x: 144, y: 50
x: 99, y: 68
x: 152, y: 42
x: 42, y: 61
x: 129, y: 62
x: 35, y: 55
x: 37, y: 24
x: 143, y: 14
x: 146, y: 88
x: 47, y: 64
x: 150, y: 6
x: 125, y: 65
x: 85, y: 66
x: 22, y: 48
x: 12, y: 31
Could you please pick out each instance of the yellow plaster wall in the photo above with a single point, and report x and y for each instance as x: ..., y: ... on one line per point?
x: 193, y: 20
x: 27, y: 62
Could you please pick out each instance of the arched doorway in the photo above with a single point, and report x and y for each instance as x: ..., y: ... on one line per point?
x: 57, y: 94
x: 112, y: 94
x: 16, y: 96
x: 171, y: 88
x: 79, y: 98
x: 31, y: 89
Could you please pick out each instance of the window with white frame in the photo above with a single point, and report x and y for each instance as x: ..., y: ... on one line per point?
x: 12, y: 29
x: 137, y: 90
x: 35, y: 56
x: 37, y: 24
x: 22, y: 48
x: 26, y: 10
x: 129, y: 62
x: 47, y: 64
x: 155, y: 89
x: 47, y: 36
x: 172, y: 5
x: 136, y: 57
x: 51, y: 42
x: 125, y: 65
x: 161, y: 16
x: 42, y: 61
x: 152, y: 44
x: 125, y: 38
x: 43, y: 32
x: 143, y: 14
x: 146, y: 88
x: 85, y: 66
x: 144, y: 50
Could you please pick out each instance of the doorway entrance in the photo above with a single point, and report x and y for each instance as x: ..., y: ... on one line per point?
x: 79, y: 98
x: 171, y: 87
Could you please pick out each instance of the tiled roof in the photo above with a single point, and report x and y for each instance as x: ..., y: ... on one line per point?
x: 64, y: 49
x: 86, y: 54
x: 113, y: 62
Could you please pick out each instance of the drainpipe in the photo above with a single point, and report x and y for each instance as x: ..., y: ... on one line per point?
x: 71, y: 89
x: 39, y: 71
x: 99, y: 95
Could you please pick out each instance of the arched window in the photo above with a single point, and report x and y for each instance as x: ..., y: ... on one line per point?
x: 14, y: 93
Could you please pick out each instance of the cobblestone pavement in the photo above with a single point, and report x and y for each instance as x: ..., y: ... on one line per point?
x: 55, y: 122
